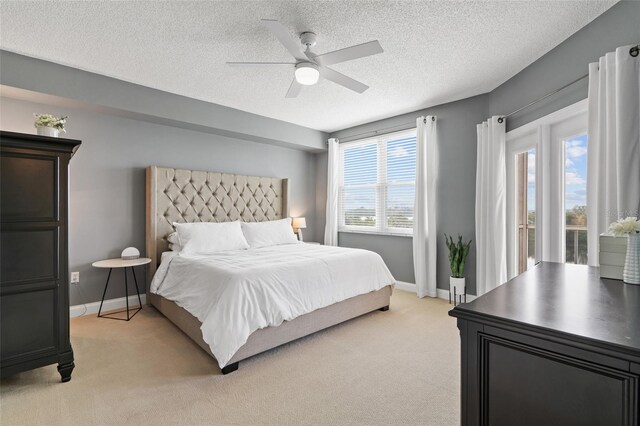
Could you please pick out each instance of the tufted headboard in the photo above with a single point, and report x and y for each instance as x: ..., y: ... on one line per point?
x: 178, y: 195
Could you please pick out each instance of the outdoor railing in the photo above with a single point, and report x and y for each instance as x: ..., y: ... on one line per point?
x: 575, y: 240
x: 578, y: 254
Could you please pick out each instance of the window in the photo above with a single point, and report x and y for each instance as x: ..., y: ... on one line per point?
x: 377, y: 184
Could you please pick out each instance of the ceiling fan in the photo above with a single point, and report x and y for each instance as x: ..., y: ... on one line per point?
x: 308, y: 66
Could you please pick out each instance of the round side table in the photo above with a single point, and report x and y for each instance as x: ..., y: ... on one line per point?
x: 124, y: 264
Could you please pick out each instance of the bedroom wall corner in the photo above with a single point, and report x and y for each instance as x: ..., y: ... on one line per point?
x: 566, y: 62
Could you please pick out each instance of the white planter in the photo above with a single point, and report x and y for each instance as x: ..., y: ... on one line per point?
x: 48, y: 131
x: 457, y: 289
x: 631, y: 273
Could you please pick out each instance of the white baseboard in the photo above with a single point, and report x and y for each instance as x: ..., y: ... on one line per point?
x: 405, y: 286
x: 108, y: 305
x: 442, y: 293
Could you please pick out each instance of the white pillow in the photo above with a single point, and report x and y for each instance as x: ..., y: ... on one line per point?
x: 272, y: 233
x: 174, y: 243
x: 210, y: 237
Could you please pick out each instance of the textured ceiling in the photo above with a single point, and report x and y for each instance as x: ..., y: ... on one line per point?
x: 435, y: 52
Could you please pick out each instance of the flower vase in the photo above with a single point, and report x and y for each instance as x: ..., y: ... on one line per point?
x: 48, y: 131
x: 631, y: 272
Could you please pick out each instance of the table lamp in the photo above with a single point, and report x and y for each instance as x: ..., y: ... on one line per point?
x: 298, y: 224
x: 130, y: 253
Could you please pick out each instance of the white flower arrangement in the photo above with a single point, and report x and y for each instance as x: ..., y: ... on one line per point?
x: 48, y: 120
x: 628, y: 225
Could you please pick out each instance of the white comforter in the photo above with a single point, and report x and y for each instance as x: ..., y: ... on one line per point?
x: 235, y: 293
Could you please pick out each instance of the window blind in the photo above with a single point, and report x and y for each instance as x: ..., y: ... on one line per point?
x: 377, y: 184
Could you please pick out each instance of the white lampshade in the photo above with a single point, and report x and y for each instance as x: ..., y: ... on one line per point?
x: 130, y: 253
x: 307, y: 73
x: 299, y: 223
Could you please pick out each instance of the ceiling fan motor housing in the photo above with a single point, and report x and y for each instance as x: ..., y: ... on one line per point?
x: 308, y: 39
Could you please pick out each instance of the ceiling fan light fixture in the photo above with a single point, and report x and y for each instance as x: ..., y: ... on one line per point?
x: 308, y: 65
x: 307, y: 73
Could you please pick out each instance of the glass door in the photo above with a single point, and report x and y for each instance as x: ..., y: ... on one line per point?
x: 526, y: 208
x: 522, y: 199
x: 546, y: 190
x: 575, y: 199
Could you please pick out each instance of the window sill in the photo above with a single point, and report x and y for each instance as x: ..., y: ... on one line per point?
x: 383, y: 234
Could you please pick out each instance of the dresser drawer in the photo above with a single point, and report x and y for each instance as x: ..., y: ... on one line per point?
x: 29, y: 254
x: 28, y: 325
x: 28, y: 187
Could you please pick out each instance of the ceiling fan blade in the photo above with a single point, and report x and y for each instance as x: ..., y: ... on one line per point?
x: 350, y: 53
x: 282, y: 34
x: 294, y: 89
x: 342, y: 80
x: 260, y: 64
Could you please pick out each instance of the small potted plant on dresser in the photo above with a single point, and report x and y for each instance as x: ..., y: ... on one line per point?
x: 458, y: 252
x: 49, y: 125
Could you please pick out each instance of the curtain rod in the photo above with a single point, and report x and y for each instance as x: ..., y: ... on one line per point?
x: 501, y: 119
x: 381, y: 131
x: 634, y: 51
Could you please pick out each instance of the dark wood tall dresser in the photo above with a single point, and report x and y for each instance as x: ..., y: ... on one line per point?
x: 556, y: 345
x: 34, y: 264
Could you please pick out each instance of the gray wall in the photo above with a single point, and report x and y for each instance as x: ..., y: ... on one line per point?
x: 618, y: 26
x: 107, y: 183
x: 456, y: 188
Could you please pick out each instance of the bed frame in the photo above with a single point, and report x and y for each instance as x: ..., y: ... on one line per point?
x: 178, y: 195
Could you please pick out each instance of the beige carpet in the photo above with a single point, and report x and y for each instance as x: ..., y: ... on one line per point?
x: 395, y: 367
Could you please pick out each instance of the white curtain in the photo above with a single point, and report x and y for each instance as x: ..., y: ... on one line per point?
x: 491, y: 224
x: 424, y: 212
x: 613, y: 168
x: 333, y: 167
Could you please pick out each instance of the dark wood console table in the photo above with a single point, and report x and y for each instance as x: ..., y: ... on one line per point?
x: 556, y: 345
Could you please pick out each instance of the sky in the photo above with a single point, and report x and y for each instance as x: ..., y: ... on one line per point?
x: 531, y: 180
x: 575, y: 177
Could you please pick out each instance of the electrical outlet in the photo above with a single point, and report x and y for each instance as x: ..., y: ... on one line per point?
x: 75, y: 277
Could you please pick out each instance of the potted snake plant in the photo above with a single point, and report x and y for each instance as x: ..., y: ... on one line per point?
x: 458, y: 252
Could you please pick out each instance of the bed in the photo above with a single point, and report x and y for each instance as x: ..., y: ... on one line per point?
x: 179, y: 195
